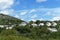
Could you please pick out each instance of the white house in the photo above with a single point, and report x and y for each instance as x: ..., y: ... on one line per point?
x: 41, y: 24
x: 54, y: 23
x: 23, y: 24
x: 10, y: 27
x: 34, y: 25
x: 1, y: 26
x: 52, y: 29
x: 7, y: 27
x: 48, y: 24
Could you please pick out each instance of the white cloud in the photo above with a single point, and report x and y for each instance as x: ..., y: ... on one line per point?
x: 11, y: 11
x: 33, y: 10
x: 4, y: 12
x: 34, y: 16
x: 55, y: 18
x: 22, y: 19
x: 7, y: 12
x: 23, y: 12
x: 16, y: 16
x: 6, y: 4
x: 41, y: 19
x: 48, y: 13
x: 33, y: 20
x: 39, y: 1
x: 17, y: 2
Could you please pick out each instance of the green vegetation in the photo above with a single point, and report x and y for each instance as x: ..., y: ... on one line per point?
x: 27, y: 32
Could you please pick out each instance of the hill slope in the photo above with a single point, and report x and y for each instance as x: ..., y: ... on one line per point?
x: 5, y: 19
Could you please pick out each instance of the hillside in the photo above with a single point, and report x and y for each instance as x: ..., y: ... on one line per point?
x: 5, y: 19
x: 33, y: 30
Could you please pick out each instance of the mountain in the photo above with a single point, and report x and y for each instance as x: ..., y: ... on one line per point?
x: 6, y: 19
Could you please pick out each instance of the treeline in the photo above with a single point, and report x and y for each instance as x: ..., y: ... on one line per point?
x: 36, y: 33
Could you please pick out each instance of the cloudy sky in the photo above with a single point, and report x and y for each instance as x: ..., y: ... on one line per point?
x: 31, y: 9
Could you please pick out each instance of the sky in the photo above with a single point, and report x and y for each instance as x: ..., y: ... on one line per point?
x: 31, y: 9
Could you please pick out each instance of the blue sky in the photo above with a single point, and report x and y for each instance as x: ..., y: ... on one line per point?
x: 31, y: 9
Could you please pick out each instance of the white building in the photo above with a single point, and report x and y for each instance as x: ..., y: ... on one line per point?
x: 7, y: 26
x: 41, y: 24
x: 54, y: 23
x: 1, y: 26
x: 52, y: 29
x: 34, y: 25
x: 10, y: 27
x: 48, y: 24
x: 23, y: 24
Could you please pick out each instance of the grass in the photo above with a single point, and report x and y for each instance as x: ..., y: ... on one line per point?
x: 14, y: 35
x: 9, y: 37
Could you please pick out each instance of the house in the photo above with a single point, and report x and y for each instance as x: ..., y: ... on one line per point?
x: 54, y: 23
x: 7, y: 26
x: 52, y: 29
x: 34, y: 25
x: 23, y: 24
x: 48, y: 24
x: 41, y: 24
x: 10, y: 27
x: 1, y: 26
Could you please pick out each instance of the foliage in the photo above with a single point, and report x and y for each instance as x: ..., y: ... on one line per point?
x: 27, y: 32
